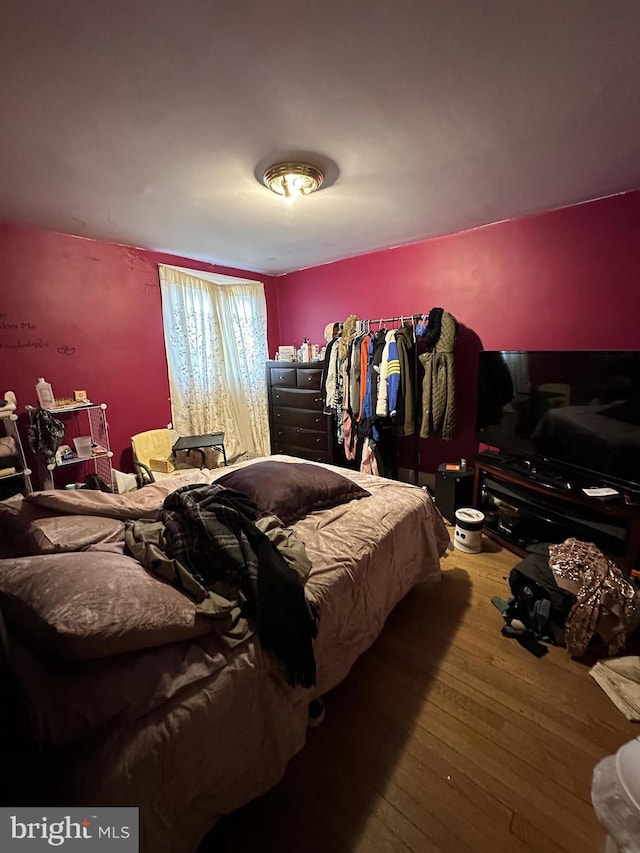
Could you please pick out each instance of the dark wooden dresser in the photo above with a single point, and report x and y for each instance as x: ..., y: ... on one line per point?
x: 298, y: 425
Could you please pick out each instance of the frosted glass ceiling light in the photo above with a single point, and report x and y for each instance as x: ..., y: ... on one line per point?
x: 293, y: 180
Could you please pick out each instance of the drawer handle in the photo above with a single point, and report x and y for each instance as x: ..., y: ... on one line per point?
x: 280, y: 432
x: 281, y: 377
x: 277, y: 396
x: 309, y: 378
x: 317, y: 399
x: 279, y: 415
x: 317, y: 441
x: 300, y: 429
x: 317, y: 420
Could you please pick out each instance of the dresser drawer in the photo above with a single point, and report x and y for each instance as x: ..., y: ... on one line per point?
x: 283, y: 376
x: 309, y: 377
x: 298, y: 398
x: 301, y: 437
x: 302, y: 452
x: 299, y: 418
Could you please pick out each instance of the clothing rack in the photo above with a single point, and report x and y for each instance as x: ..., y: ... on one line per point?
x: 402, y: 318
x: 365, y: 324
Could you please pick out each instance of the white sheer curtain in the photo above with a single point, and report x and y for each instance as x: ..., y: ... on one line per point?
x: 216, y: 343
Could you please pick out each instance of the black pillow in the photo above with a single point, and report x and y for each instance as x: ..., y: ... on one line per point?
x: 291, y: 490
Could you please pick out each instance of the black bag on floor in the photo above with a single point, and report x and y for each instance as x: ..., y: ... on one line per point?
x: 538, y: 608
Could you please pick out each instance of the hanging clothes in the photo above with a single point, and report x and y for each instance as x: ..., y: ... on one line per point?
x: 364, y: 367
x: 331, y: 381
x: 354, y: 378
x: 366, y: 427
x: 369, y: 464
x: 45, y: 434
x: 434, y: 324
x: 378, y: 350
x: 382, y: 404
x: 405, y: 403
x: 324, y: 381
x: 439, y: 383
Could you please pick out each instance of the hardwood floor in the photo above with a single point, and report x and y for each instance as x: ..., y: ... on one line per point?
x: 446, y: 737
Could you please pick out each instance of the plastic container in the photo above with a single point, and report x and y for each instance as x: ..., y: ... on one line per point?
x: 468, y: 534
x: 44, y: 393
x: 615, y: 793
x: 83, y: 446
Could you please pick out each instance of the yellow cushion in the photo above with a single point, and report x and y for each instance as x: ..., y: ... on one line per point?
x: 153, y: 444
x: 163, y: 466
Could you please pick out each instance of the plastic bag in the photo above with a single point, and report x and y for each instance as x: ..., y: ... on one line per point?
x: 613, y: 808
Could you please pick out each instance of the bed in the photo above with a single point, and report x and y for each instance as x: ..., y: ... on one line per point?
x: 190, y: 729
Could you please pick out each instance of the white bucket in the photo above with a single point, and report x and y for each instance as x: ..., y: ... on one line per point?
x: 468, y: 534
x: 83, y: 446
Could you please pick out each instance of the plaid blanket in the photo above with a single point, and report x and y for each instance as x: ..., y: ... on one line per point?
x: 211, y: 531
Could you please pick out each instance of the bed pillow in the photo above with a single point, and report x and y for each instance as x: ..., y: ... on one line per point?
x: 292, y: 490
x: 26, y: 529
x: 16, y: 519
x: 94, y: 604
x: 144, y: 503
x: 62, y: 533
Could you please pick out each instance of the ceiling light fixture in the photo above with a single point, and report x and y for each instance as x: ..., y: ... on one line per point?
x: 293, y: 180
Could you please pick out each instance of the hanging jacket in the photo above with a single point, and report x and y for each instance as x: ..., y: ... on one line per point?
x: 332, y: 376
x: 354, y: 379
x: 382, y: 405
x: 434, y: 327
x: 378, y: 349
x: 405, y: 405
x: 366, y: 426
x: 439, y: 383
x: 364, y: 365
x: 325, y: 385
x: 393, y: 377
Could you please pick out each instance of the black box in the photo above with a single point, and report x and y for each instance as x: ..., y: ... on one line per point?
x: 453, y: 490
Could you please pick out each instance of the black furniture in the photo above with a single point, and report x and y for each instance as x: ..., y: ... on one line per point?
x: 296, y: 419
x: 526, y: 503
x: 199, y: 442
x: 453, y: 490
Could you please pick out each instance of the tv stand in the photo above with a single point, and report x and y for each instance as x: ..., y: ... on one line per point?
x: 527, y: 502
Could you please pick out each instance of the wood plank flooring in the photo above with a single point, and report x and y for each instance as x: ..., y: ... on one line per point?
x: 446, y: 737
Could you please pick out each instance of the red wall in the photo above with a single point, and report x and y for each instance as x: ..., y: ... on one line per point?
x: 87, y: 314
x: 567, y: 279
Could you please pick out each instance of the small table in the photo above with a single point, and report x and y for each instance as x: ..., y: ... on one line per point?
x: 199, y: 442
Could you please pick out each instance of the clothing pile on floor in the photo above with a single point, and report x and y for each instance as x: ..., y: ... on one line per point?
x: 567, y: 596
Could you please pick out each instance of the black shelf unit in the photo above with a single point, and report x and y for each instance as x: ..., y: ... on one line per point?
x: 523, y: 508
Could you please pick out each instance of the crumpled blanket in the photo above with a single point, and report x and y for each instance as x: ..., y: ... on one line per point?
x: 210, y: 547
x: 605, y: 600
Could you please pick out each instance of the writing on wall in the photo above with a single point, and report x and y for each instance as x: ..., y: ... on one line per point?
x: 18, y: 334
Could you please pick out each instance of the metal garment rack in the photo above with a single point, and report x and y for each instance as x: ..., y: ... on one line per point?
x: 365, y: 325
